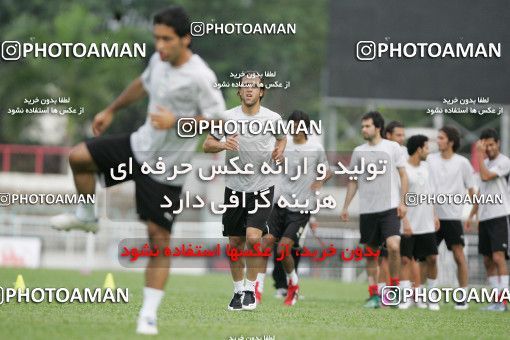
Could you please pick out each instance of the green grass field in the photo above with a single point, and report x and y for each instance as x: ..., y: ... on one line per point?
x: 194, y: 307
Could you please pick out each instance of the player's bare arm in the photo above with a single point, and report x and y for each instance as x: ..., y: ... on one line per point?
x: 352, y: 187
x: 131, y: 94
x: 408, y: 231
x: 317, y: 185
x: 402, y: 209
x: 212, y: 145
x: 279, y: 148
x: 473, y: 216
x: 485, y: 173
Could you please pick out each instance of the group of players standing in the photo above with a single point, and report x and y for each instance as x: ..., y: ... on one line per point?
x: 179, y: 84
x: 410, y: 233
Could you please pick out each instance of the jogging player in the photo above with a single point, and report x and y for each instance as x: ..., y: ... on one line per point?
x: 245, y: 224
x: 287, y: 223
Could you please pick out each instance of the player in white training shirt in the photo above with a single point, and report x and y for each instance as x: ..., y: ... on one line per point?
x: 420, y: 223
x: 395, y: 132
x: 245, y: 228
x: 179, y: 84
x: 381, y: 199
x: 452, y: 174
x: 287, y: 223
x: 494, y: 218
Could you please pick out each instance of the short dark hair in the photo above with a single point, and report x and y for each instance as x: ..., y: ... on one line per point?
x: 391, y: 126
x: 256, y: 73
x: 175, y: 17
x: 298, y: 116
x: 453, y: 135
x: 490, y: 133
x: 415, y: 142
x: 377, y: 119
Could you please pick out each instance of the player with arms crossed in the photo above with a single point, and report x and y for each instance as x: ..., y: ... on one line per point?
x: 242, y: 227
x: 494, y: 219
x: 179, y: 84
x: 381, y: 204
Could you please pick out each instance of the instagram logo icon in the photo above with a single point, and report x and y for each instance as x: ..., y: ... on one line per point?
x: 365, y: 50
x: 11, y: 50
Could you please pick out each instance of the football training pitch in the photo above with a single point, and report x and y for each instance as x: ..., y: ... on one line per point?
x: 194, y: 307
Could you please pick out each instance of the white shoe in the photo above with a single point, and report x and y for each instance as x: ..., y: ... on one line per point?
x: 70, y: 221
x: 280, y: 293
x: 461, y: 306
x: 421, y: 305
x: 434, y: 306
x: 405, y: 305
x: 496, y: 307
x: 147, y: 325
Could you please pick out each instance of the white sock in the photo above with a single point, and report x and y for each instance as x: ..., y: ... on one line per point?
x: 260, y: 280
x: 466, y: 290
x: 238, y: 286
x: 380, y: 286
x: 418, y: 290
x: 151, y: 300
x: 493, y: 281
x: 292, y: 277
x: 86, y: 212
x: 250, y: 285
x: 503, y: 281
x: 405, y: 284
x: 431, y: 283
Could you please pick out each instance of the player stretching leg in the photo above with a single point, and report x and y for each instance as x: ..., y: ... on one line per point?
x: 172, y: 71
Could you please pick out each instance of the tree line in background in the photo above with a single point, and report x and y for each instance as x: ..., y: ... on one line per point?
x: 92, y: 83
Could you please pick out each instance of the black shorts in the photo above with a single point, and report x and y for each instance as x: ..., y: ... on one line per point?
x: 110, y: 151
x: 493, y: 236
x: 375, y: 228
x: 235, y: 220
x: 286, y: 223
x: 451, y: 232
x: 418, y: 246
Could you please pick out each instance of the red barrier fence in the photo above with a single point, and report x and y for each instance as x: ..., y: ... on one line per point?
x: 40, y: 152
